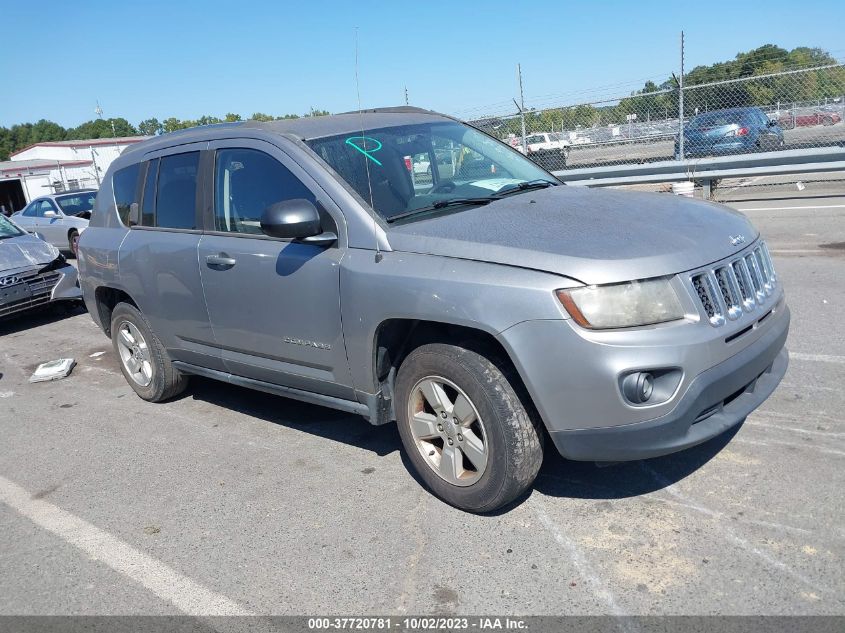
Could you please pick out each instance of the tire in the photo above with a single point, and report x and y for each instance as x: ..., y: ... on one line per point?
x: 511, y: 437
x: 155, y: 379
x: 827, y: 121
x: 73, y: 242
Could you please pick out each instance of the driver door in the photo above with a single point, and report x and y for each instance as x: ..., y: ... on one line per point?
x: 274, y: 304
x: 52, y: 227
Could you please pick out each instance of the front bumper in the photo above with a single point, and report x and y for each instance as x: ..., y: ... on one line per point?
x: 37, y: 289
x: 723, y: 373
x: 722, y: 397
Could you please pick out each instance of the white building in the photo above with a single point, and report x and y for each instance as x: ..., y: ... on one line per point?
x: 57, y: 166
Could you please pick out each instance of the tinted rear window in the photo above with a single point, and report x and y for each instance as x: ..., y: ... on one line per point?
x: 716, y: 119
x: 176, y: 193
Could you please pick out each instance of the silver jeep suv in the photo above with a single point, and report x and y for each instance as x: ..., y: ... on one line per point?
x: 485, y: 309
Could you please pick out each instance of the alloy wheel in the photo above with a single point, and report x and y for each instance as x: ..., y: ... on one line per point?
x: 448, y: 431
x: 134, y: 354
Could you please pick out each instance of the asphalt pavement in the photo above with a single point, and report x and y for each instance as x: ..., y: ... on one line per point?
x: 229, y: 501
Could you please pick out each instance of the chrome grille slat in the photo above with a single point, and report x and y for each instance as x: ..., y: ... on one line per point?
x: 730, y: 292
x: 772, y: 275
x: 739, y: 283
x: 756, y: 277
x: 710, y: 298
x: 764, y: 270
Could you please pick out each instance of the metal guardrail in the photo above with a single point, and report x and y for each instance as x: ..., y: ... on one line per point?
x: 706, y: 170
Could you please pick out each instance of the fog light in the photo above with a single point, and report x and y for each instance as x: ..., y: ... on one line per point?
x: 638, y: 387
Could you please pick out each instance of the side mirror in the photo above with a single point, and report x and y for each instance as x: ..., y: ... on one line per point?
x: 51, y: 214
x: 291, y: 219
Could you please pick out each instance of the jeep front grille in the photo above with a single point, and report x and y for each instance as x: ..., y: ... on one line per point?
x: 741, y: 284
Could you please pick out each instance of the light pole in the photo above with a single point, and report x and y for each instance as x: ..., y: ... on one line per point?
x: 681, y: 104
x: 521, y: 106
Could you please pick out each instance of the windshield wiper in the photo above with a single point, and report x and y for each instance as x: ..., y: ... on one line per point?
x: 441, y: 204
x: 540, y: 183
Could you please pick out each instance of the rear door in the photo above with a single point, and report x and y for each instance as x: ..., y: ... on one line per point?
x: 274, y: 304
x: 158, y: 258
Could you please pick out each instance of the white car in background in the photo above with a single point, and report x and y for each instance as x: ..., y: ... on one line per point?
x: 58, y: 218
x: 547, y: 141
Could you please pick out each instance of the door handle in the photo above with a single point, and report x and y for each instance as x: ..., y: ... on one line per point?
x: 221, y: 261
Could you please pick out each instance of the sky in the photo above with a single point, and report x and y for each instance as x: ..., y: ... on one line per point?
x: 185, y: 59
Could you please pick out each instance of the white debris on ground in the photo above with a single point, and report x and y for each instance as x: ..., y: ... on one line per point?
x: 53, y: 370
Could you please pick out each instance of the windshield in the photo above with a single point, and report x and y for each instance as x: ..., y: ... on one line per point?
x: 77, y: 203
x: 7, y: 229
x: 405, y: 168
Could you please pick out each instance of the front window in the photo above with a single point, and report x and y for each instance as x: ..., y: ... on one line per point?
x: 412, y: 169
x: 77, y: 203
x: 7, y: 229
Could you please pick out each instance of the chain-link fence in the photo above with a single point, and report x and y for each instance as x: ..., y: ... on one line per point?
x: 790, y: 109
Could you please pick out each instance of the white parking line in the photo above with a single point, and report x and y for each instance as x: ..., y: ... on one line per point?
x: 585, y: 570
x: 819, y: 358
x: 806, y: 206
x: 727, y: 533
x: 188, y: 596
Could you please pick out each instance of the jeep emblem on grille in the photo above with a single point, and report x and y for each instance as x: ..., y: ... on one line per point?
x: 10, y: 281
x: 736, y: 240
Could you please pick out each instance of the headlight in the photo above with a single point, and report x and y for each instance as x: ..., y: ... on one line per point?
x: 622, y: 305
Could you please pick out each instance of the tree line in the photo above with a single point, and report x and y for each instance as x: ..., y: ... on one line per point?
x: 17, y: 137
x: 655, y: 102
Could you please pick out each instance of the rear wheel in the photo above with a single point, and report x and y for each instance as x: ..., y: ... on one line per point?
x: 73, y: 242
x: 143, y: 360
x: 827, y: 120
x: 465, y: 429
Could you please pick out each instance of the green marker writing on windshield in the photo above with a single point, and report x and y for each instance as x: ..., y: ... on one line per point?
x: 364, y: 150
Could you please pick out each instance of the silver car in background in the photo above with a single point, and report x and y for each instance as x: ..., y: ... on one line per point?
x: 32, y: 272
x: 59, y: 218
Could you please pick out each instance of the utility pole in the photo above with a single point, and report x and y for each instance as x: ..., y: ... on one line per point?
x: 96, y: 169
x: 406, y: 95
x: 681, y: 104
x: 521, y: 107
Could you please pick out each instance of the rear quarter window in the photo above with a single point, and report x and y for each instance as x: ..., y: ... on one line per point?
x: 125, y: 187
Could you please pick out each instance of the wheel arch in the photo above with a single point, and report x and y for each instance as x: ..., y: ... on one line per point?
x: 106, y: 298
x: 395, y: 338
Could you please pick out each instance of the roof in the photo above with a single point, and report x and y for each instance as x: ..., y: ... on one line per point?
x: 36, y: 164
x: 306, y: 128
x: 118, y: 140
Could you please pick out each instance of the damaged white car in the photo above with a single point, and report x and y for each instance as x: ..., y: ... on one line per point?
x: 32, y: 272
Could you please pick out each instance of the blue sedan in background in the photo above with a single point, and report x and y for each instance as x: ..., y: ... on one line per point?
x: 731, y: 131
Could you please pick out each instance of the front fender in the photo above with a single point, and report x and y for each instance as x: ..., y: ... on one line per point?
x: 479, y: 295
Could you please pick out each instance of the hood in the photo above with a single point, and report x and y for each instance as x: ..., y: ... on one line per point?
x: 596, y: 236
x: 25, y: 251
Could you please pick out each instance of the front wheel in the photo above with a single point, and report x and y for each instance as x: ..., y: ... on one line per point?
x: 466, y: 431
